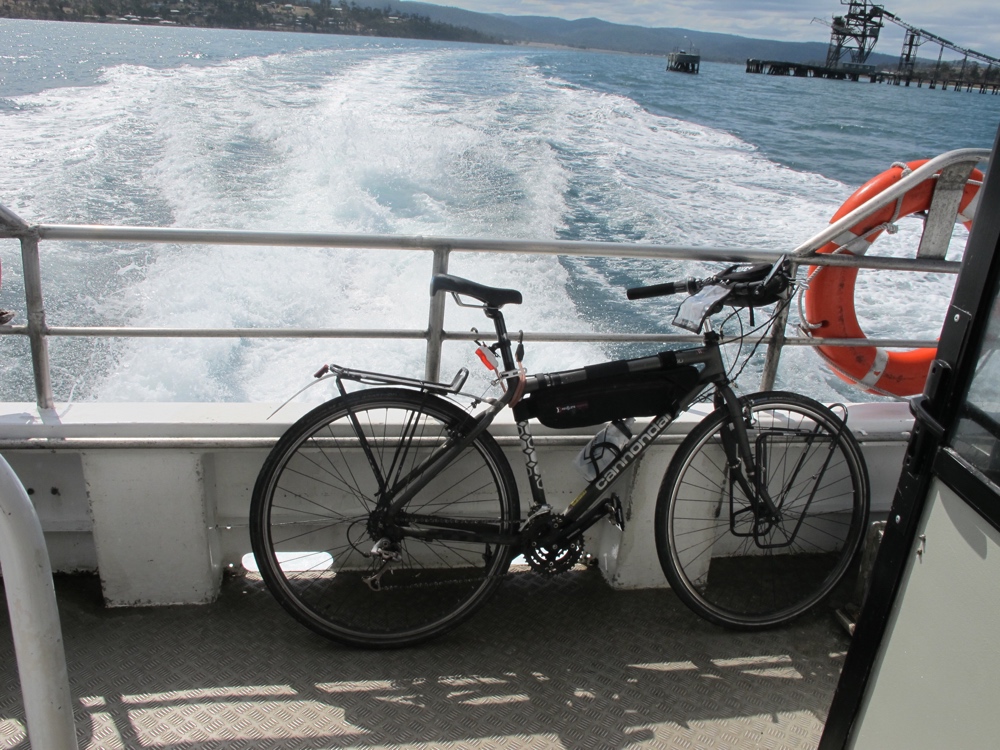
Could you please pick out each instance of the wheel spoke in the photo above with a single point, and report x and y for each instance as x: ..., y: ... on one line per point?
x: 731, y: 562
x: 323, y: 547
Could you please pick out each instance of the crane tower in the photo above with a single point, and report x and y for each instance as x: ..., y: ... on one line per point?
x: 855, y: 32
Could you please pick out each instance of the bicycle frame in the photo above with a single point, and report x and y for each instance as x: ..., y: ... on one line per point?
x: 585, y: 510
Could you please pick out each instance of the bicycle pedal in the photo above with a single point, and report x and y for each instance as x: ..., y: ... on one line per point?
x: 615, y: 514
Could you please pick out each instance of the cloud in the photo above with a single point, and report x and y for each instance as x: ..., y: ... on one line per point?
x: 969, y: 23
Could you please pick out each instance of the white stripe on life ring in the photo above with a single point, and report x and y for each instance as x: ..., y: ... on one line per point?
x: 969, y: 212
x: 877, y: 369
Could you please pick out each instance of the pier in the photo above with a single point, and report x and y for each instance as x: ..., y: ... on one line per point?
x: 983, y: 87
x: 684, y: 59
x: 805, y: 70
x: 684, y: 62
x: 853, y: 37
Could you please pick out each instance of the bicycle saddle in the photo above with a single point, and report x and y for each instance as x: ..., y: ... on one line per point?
x: 488, y: 295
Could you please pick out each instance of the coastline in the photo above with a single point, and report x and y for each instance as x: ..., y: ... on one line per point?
x: 341, y: 20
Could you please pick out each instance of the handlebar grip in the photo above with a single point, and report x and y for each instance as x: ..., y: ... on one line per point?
x: 662, y: 290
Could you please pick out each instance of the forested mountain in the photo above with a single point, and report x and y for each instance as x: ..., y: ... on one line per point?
x: 593, y: 33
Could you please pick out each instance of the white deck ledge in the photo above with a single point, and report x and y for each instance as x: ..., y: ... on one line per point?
x: 155, y: 496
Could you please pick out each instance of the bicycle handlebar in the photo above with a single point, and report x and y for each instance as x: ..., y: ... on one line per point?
x: 754, y: 286
x: 691, y: 286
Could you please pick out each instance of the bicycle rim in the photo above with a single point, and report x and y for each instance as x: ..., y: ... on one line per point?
x: 313, y: 531
x: 723, y: 555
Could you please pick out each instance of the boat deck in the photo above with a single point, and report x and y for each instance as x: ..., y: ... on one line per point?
x: 562, y: 662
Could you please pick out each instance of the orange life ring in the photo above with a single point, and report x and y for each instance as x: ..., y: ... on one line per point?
x: 829, y: 299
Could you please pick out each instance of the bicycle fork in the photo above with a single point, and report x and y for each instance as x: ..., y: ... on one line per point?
x: 749, y: 472
x: 744, y: 470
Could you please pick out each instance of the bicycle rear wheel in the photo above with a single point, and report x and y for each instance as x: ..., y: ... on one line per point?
x: 722, y: 553
x: 314, y: 520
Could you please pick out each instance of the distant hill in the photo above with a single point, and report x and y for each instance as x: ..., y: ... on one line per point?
x: 593, y: 33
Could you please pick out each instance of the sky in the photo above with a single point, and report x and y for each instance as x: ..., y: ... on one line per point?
x: 974, y: 24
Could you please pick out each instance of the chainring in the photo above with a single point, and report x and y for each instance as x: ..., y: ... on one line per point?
x: 550, y: 562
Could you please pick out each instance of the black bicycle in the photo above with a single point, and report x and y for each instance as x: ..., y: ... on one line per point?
x: 388, y: 515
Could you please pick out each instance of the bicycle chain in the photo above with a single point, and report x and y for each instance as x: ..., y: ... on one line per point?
x: 437, y: 521
x: 430, y: 585
x: 542, y: 561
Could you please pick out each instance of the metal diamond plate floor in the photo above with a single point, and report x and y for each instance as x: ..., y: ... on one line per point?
x: 549, y: 663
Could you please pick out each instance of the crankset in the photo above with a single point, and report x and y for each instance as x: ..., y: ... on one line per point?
x: 550, y: 562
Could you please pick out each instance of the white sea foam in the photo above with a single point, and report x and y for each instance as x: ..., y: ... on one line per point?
x: 442, y: 141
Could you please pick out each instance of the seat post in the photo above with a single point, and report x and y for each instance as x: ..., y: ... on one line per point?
x: 503, y: 339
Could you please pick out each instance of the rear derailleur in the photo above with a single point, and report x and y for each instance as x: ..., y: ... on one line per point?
x: 385, y: 554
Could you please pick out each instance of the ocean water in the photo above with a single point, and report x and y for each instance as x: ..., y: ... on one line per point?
x: 281, y: 131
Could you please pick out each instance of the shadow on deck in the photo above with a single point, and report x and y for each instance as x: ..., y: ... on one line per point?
x: 564, y: 662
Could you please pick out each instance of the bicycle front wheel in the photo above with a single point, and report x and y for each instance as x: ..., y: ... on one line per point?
x: 315, y: 519
x: 728, y: 556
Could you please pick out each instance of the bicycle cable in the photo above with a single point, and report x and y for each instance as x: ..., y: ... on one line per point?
x: 765, y: 327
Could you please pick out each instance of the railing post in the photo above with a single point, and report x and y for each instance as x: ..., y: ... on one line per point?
x: 943, y: 212
x: 34, y: 619
x: 774, y: 346
x: 435, y: 322
x: 36, y: 319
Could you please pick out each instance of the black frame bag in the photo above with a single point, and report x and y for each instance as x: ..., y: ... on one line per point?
x: 596, y: 400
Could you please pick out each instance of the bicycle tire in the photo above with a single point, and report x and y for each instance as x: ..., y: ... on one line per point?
x: 311, y: 523
x: 749, y: 573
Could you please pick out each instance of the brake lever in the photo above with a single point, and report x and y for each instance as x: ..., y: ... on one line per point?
x: 779, y: 264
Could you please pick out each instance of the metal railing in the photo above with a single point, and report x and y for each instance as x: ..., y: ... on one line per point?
x: 954, y: 166
x: 34, y: 619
